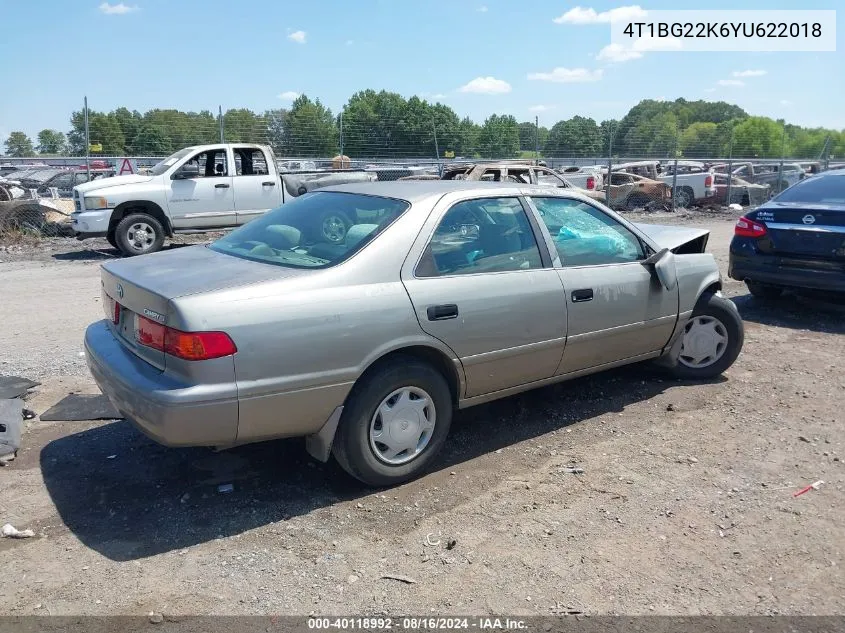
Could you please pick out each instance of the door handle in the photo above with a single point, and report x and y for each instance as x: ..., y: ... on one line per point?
x: 442, y: 312
x: 584, y: 294
x: 221, y: 185
x: 268, y: 183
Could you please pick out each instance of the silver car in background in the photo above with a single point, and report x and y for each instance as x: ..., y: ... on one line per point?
x: 442, y: 295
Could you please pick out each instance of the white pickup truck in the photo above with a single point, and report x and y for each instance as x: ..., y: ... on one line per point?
x: 195, y: 190
x: 694, y: 180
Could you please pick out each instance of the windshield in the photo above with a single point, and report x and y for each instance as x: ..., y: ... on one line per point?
x: 819, y: 190
x: 316, y: 230
x: 162, y: 166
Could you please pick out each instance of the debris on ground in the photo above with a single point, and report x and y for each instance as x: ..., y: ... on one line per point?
x: 15, y: 386
x: 430, y: 543
x: 28, y: 414
x: 451, y: 544
x: 812, y: 486
x: 156, y: 618
x: 406, y: 579
x: 573, y: 470
x: 79, y: 407
x: 10, y: 531
x: 11, y: 423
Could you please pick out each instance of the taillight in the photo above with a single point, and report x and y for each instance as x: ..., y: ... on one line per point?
x: 749, y: 228
x: 591, y: 182
x: 708, y: 180
x: 184, y: 345
x: 116, y: 315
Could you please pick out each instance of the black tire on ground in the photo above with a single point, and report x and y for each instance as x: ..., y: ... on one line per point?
x: 722, y: 309
x: 763, y: 291
x: 352, y: 447
x: 110, y: 238
x: 127, y: 230
x: 637, y: 201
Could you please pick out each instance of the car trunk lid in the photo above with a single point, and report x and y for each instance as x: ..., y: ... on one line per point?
x: 814, y: 231
x: 143, y: 288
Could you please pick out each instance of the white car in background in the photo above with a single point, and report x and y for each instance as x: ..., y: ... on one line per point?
x: 584, y: 177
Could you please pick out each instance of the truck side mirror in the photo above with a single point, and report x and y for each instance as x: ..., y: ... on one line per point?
x: 187, y: 171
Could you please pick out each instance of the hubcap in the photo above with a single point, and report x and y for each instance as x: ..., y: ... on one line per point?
x: 682, y: 198
x: 705, y: 342
x: 334, y: 228
x: 140, y: 236
x: 402, y: 426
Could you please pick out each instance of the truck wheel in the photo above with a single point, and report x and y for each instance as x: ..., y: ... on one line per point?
x: 110, y: 238
x: 395, y: 422
x: 139, y: 234
x: 684, y: 197
x: 713, y: 338
x: 763, y: 291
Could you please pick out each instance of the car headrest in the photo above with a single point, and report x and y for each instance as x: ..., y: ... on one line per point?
x: 284, y: 236
x: 358, y: 232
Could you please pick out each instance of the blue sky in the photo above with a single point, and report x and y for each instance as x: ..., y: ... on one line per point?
x: 196, y: 55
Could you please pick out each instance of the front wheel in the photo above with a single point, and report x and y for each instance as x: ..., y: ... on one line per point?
x: 395, y: 423
x: 712, y: 339
x: 139, y: 234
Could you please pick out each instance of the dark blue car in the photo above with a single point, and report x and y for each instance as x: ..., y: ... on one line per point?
x: 795, y: 240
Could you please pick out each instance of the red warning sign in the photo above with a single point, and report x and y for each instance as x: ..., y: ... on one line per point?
x: 126, y: 166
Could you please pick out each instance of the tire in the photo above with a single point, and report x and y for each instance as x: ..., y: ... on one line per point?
x: 684, y: 197
x: 637, y: 201
x: 129, y: 239
x: 333, y: 226
x: 356, y: 447
x: 720, y: 315
x: 111, y: 239
x: 763, y: 291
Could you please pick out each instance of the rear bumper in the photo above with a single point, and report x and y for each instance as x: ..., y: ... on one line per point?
x: 768, y: 269
x: 169, y: 411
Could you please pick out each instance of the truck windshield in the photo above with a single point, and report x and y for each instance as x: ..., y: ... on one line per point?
x: 167, y: 163
x: 316, y: 230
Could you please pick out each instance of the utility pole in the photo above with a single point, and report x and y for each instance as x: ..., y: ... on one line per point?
x: 537, y: 139
x: 87, y: 143
x: 609, y: 162
x: 220, y: 121
x: 341, y: 140
x: 730, y: 166
x: 436, y: 146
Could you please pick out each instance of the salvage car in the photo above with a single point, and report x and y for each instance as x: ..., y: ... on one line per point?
x: 441, y: 296
x: 629, y: 191
x: 795, y: 240
x: 742, y: 193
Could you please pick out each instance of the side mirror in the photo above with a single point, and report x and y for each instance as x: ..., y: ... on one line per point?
x: 662, y: 263
x: 187, y: 171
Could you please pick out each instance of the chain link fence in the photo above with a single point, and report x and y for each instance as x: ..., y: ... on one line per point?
x: 654, y: 162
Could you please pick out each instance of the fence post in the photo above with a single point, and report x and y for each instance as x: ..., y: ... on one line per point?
x: 609, y: 163
x: 341, y: 139
x: 436, y: 146
x: 782, y: 153
x: 87, y: 143
x: 220, y: 122
x: 674, y: 182
x: 730, y: 168
x: 537, y: 140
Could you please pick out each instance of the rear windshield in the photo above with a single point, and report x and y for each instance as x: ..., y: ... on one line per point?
x: 316, y: 230
x: 820, y: 190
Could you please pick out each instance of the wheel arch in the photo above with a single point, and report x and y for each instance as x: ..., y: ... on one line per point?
x: 140, y: 206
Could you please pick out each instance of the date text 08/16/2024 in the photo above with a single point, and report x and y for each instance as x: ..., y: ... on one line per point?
x: 418, y: 623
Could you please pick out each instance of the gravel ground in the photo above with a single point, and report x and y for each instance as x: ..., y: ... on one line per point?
x: 685, y: 506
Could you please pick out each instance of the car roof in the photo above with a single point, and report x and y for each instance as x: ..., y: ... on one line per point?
x: 417, y: 190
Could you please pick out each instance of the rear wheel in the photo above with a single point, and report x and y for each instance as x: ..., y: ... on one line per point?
x: 139, y: 234
x: 763, y: 291
x: 684, y: 197
x: 712, y: 339
x: 395, y: 423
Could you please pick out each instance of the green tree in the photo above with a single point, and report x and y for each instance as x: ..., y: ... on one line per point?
x: 51, y: 142
x: 19, y: 144
x: 309, y: 130
x: 468, y: 138
x: 576, y: 137
x: 704, y: 139
x: 276, y: 121
x: 104, y: 129
x: 758, y: 137
x: 374, y: 125
x: 607, y: 131
x: 499, y: 137
x: 151, y: 140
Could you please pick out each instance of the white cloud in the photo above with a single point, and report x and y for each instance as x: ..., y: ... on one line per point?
x: 785, y: 102
x: 540, y: 108
x: 709, y: 90
x: 117, y: 9
x: 580, y: 15
x: 439, y: 95
x: 297, y: 36
x: 482, y: 9
x: 487, y: 86
x: 350, y: 42
x: 750, y: 73
x: 660, y: 99
x: 730, y: 82
x: 617, y: 53
x: 568, y: 75
x: 289, y: 95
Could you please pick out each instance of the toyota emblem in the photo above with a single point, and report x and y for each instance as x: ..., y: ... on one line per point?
x: 808, y: 219
x: 120, y: 291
